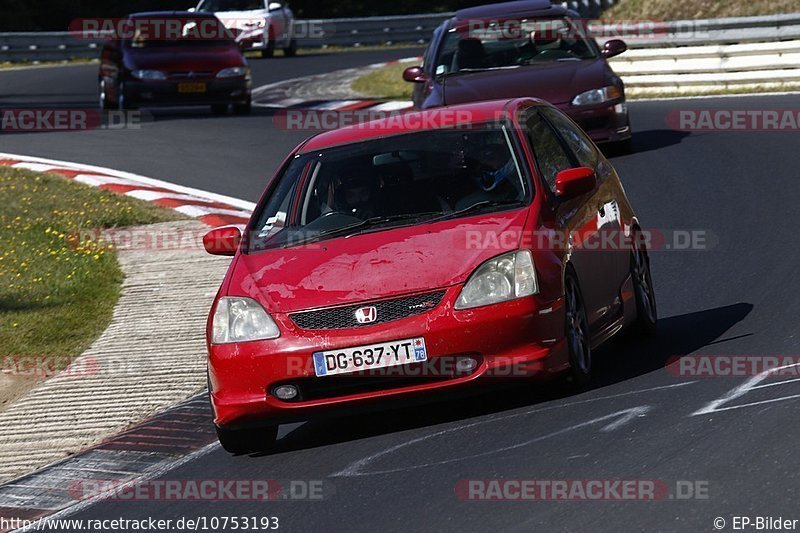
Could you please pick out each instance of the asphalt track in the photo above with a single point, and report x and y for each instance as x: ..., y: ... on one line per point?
x: 397, y: 471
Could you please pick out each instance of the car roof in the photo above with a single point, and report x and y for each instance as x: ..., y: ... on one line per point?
x: 180, y: 14
x: 427, y: 120
x: 505, y: 10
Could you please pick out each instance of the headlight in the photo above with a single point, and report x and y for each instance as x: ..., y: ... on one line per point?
x: 503, y: 278
x: 149, y: 75
x: 598, y: 96
x: 233, y: 72
x: 240, y: 320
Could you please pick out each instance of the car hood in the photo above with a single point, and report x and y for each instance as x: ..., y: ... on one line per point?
x: 557, y: 82
x: 239, y: 19
x: 374, y: 265
x: 185, y: 58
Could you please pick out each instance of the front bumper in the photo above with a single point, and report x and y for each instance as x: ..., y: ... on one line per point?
x: 605, y: 123
x: 519, y: 338
x: 166, y: 92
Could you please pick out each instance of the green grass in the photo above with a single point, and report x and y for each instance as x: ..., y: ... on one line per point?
x: 697, y: 9
x: 386, y: 82
x: 29, y: 64
x: 632, y: 94
x: 57, y: 293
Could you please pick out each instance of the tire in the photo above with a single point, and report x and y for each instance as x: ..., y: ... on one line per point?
x: 646, y: 308
x: 122, y: 101
x: 219, y: 109
x: 577, y: 332
x: 291, y: 50
x: 269, y: 51
x: 243, y: 108
x: 622, y: 147
x: 105, y: 105
x: 244, y: 441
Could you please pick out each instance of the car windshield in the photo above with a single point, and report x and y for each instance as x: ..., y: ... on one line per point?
x: 503, y: 44
x: 179, y: 31
x: 212, y: 6
x: 389, y: 182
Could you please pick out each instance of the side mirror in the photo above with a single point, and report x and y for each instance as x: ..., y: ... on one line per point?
x: 614, y: 47
x: 222, y: 241
x: 414, y: 75
x: 274, y: 6
x: 574, y: 182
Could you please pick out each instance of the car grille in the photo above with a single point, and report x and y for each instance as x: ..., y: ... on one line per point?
x: 387, y: 310
x: 193, y: 75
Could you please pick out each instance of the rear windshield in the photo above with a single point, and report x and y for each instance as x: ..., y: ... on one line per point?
x: 213, y: 6
x: 389, y: 182
x: 497, y: 44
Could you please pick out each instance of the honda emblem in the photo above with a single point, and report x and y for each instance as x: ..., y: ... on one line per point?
x: 366, y: 315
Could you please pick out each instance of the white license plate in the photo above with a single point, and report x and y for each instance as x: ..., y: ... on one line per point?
x: 371, y: 356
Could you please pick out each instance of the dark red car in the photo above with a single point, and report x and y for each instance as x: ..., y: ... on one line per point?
x: 174, y: 58
x: 398, y: 258
x: 528, y: 48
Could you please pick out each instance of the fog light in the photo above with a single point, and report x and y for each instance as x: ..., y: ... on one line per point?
x: 285, y: 392
x: 464, y: 366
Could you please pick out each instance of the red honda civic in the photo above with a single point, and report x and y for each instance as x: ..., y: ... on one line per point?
x: 422, y: 253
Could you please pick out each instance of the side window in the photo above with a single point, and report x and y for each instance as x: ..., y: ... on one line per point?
x: 580, y: 144
x: 547, y: 149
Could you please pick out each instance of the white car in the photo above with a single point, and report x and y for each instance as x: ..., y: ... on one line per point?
x: 260, y: 25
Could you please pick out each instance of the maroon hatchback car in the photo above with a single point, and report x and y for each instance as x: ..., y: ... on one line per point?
x: 174, y: 58
x: 526, y: 48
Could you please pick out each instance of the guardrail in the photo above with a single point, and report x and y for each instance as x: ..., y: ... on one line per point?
x: 314, y: 33
x: 663, y: 55
x: 773, y: 65
x: 47, y: 46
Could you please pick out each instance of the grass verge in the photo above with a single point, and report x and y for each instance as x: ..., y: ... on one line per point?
x: 385, y: 82
x: 57, y: 294
x: 697, y: 9
x: 6, y: 65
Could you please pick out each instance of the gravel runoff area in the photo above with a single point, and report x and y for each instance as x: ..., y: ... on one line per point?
x: 151, y: 357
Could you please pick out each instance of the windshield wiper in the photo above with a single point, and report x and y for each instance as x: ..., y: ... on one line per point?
x: 363, y: 225
x: 379, y: 221
x: 474, y: 70
x: 476, y: 207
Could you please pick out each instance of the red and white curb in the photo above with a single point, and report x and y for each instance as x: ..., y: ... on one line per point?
x: 319, y: 92
x: 210, y: 208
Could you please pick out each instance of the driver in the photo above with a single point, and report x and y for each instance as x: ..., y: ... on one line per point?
x: 355, y: 195
x: 501, y: 166
x: 494, y: 178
